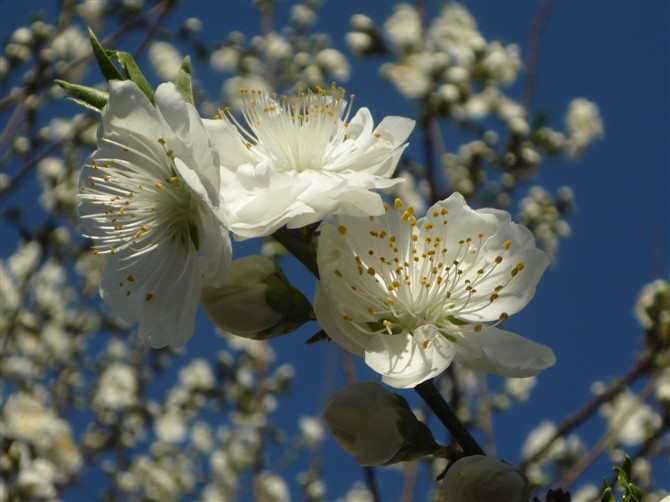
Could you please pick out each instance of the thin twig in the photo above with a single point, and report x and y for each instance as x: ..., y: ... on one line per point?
x: 444, y: 413
x: 641, y: 367
x: 535, y: 37
x: 607, y: 439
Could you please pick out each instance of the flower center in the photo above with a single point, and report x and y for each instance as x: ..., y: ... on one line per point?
x: 145, y: 206
x: 294, y: 134
x: 411, y: 276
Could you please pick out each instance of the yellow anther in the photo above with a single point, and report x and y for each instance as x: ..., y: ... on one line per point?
x: 338, y: 273
x: 347, y: 318
x: 498, y: 259
x: 507, y: 244
x: 398, y: 203
x: 159, y: 186
x: 342, y: 229
x: 494, y: 297
x: 148, y: 297
x: 371, y: 271
x: 503, y: 316
x: 478, y: 328
x: 389, y: 300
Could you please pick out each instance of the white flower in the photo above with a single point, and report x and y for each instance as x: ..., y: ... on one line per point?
x: 150, y: 200
x: 478, y: 478
x: 632, y: 420
x: 166, y: 60
x: 118, y: 387
x: 311, y: 430
x: 584, y: 125
x: 301, y: 159
x: 404, y: 27
x: 414, y: 295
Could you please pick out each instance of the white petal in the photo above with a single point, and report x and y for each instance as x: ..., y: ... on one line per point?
x: 169, y: 317
x: 330, y: 322
x: 494, y: 350
x: 405, y: 360
x: 395, y: 129
x: 229, y: 144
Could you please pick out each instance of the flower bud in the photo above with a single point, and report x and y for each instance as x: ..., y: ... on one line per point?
x: 478, y: 478
x: 256, y: 300
x: 376, y: 426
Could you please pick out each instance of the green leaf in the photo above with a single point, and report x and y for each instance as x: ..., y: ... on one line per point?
x: 607, y: 495
x: 184, y: 84
x: 134, y: 73
x: 107, y: 67
x: 89, y: 97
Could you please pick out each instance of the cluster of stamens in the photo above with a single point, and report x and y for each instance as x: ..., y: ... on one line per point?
x: 412, y: 278
x: 297, y: 133
x: 141, y: 208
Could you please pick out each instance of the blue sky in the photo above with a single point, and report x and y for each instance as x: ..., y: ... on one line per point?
x: 613, y: 53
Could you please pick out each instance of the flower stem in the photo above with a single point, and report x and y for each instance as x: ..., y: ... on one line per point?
x: 299, y: 243
x: 436, y: 402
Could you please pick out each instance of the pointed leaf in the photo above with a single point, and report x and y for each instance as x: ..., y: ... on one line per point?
x: 107, y: 67
x: 134, y: 73
x: 183, y: 83
x: 89, y: 97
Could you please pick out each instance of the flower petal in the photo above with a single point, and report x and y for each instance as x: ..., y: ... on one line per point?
x: 404, y: 360
x: 500, y: 352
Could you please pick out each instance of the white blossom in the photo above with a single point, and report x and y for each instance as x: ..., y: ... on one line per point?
x: 411, y: 296
x: 117, y: 387
x: 584, y: 125
x: 404, y: 27
x: 311, y: 430
x: 166, y: 60
x: 303, y: 159
x: 630, y: 419
x: 150, y: 201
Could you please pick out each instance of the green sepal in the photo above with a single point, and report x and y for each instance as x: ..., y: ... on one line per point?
x: 184, y: 83
x: 107, y: 66
x: 89, y: 97
x: 607, y: 495
x: 419, y: 440
x: 282, y: 297
x: 134, y: 73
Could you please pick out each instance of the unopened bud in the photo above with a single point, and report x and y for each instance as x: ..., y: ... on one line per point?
x: 376, y: 426
x: 478, y: 478
x: 256, y: 300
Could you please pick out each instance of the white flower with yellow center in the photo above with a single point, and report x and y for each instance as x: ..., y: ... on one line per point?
x: 411, y: 296
x: 150, y: 201
x: 300, y: 159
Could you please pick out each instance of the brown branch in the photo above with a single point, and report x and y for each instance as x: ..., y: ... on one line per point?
x: 607, y: 438
x: 572, y: 421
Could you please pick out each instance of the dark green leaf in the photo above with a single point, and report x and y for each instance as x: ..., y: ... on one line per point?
x: 607, y: 495
x: 107, y: 67
x: 89, y: 97
x: 183, y: 83
x: 134, y: 73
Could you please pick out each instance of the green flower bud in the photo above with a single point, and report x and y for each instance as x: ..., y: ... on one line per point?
x: 376, y: 426
x: 478, y: 478
x: 256, y: 301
